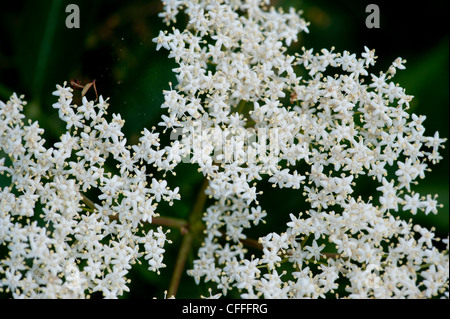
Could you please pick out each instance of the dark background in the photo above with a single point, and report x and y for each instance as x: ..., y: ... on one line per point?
x: 114, y: 46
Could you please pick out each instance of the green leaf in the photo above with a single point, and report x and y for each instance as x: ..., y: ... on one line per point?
x: 46, y: 45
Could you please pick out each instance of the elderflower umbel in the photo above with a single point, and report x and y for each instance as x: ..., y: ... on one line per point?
x: 248, y: 109
x: 60, y: 243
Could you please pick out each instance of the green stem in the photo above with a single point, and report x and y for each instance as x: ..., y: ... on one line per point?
x: 331, y: 255
x: 195, y: 219
x: 240, y: 106
x: 185, y: 248
x: 195, y: 229
x: 87, y: 201
x: 247, y: 242
x: 171, y: 222
x: 303, y: 243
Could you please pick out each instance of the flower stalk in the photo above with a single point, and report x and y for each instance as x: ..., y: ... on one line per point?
x: 193, y: 231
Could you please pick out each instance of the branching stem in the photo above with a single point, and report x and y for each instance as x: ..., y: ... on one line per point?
x: 194, y: 230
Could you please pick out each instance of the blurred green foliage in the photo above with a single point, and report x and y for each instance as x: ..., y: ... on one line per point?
x: 114, y: 46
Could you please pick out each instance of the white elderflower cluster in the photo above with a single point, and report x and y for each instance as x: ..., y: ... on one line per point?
x: 246, y: 109
x: 60, y: 243
x: 75, y: 216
